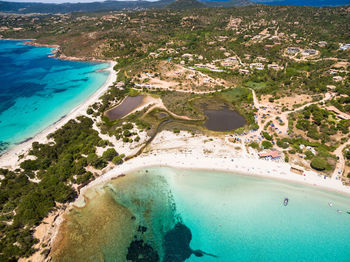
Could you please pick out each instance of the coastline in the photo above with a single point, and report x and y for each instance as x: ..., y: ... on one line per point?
x: 10, y: 158
x: 57, y: 53
x: 243, y: 166
x: 192, y: 159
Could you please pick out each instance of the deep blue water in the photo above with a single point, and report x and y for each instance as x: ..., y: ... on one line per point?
x: 305, y: 2
x: 37, y: 90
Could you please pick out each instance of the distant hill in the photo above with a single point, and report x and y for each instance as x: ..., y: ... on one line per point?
x: 227, y: 3
x: 305, y: 2
x: 185, y: 4
x: 110, y: 5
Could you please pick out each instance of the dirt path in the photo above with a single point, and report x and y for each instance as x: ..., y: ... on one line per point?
x: 158, y: 103
x: 269, y: 112
x: 340, y: 166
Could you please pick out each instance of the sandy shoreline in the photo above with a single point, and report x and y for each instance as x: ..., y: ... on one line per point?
x: 243, y: 166
x: 193, y: 161
x: 10, y: 158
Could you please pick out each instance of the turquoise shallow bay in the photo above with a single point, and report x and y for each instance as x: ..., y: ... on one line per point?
x: 242, y: 219
x: 229, y: 217
x: 37, y: 90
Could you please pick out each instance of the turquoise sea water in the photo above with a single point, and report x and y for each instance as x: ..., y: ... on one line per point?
x: 37, y: 90
x: 166, y: 214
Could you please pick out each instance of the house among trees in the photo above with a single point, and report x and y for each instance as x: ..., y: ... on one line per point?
x: 230, y: 61
x: 337, y: 78
x: 345, y: 47
x: 243, y: 71
x: 331, y: 87
x: 293, y: 50
x: 322, y: 44
x: 308, y: 52
x: 339, y: 114
x: 258, y: 66
x: 274, y: 66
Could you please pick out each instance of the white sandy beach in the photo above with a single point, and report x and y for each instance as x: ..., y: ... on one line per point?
x: 10, y: 158
x: 251, y: 167
x: 200, y: 152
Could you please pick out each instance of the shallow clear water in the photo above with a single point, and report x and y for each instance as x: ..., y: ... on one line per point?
x: 37, y: 90
x: 229, y: 217
x: 243, y: 219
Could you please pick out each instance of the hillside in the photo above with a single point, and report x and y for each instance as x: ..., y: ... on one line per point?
x: 227, y: 3
x: 27, y: 8
x: 185, y: 4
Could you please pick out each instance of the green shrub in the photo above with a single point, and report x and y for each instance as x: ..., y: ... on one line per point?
x: 313, y: 133
x: 267, y: 144
x: 84, y: 178
x: 254, y: 145
x: 292, y: 151
x: 286, y: 157
x: 117, y: 160
x: 133, y: 92
x: 303, y: 125
x: 109, y: 154
x: 128, y: 126
x: 347, y: 154
x: 127, y: 133
x: 95, y: 161
x: 30, y: 165
x: 309, y: 155
x: 282, y: 144
x: 267, y: 135
x: 319, y: 164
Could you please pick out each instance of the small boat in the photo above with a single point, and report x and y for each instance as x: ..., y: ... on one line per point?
x: 330, y: 203
x: 285, y: 202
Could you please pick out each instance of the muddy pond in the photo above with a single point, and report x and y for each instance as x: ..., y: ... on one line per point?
x: 127, y: 106
x: 223, y: 119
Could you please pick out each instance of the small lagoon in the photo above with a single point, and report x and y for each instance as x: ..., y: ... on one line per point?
x: 167, y: 214
x: 127, y: 106
x: 37, y: 90
x: 223, y: 119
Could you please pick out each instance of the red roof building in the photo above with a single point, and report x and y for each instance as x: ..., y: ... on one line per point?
x: 270, y: 154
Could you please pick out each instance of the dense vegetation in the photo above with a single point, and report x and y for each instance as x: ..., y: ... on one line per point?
x: 320, y: 124
x: 28, y: 194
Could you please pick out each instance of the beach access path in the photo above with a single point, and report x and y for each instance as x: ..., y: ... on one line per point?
x: 340, y: 166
